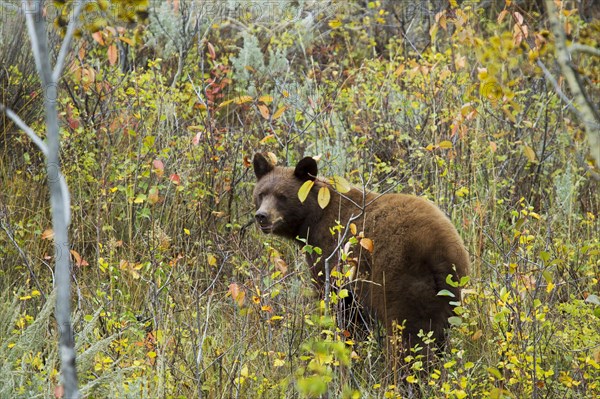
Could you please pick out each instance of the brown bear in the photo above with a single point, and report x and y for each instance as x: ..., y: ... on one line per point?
x: 414, y: 245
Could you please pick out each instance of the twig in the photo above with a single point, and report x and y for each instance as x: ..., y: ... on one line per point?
x: 28, y: 131
x: 24, y: 257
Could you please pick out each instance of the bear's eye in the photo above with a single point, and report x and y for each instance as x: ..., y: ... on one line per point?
x: 281, y: 197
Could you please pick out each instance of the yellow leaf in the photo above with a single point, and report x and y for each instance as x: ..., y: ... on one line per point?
x: 265, y: 99
x: 446, y: 145
x: 153, y: 197
x: 279, y: 112
x: 529, y: 153
x: 267, y: 138
x: 186, y: 231
x: 272, y: 158
x: 212, y: 260
x: 305, y: 190
x: 264, y: 111
x: 224, y: 103
x: 278, y: 363
x: 367, y: 244
x: 127, y: 40
x: 335, y: 23
x: 324, y: 197
x: 242, y: 100
x: 340, y: 184
x: 151, y: 354
x: 353, y: 229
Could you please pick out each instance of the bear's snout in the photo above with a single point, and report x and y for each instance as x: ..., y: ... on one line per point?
x: 262, y: 218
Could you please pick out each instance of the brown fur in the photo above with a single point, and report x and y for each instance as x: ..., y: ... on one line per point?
x: 415, y: 244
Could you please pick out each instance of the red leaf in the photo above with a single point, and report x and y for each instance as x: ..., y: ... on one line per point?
x: 175, y: 179
x: 59, y: 391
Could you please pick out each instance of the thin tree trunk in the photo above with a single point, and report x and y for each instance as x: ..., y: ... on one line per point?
x: 59, y: 194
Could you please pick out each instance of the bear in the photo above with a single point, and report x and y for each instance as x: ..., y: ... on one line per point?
x: 415, y: 246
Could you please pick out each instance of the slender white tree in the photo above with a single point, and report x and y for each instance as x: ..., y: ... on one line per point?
x: 59, y: 194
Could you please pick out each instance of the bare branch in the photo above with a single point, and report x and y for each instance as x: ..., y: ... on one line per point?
x: 66, y: 44
x: 24, y: 127
x: 582, y: 48
x: 587, y: 112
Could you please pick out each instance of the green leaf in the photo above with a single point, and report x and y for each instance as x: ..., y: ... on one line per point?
x: 323, y: 197
x: 305, y: 190
x: 343, y: 293
x: 312, y: 387
x: 494, y: 371
x: 593, y: 299
x: 450, y: 281
x: 446, y: 293
x: 455, y: 321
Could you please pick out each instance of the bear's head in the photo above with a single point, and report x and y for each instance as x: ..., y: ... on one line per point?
x: 278, y: 209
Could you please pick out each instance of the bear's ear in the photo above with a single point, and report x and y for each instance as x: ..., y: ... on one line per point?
x: 261, y: 165
x: 306, y: 169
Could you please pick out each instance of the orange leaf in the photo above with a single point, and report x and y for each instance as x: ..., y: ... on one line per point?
x: 353, y: 229
x: 48, y: 234
x: 367, y: 244
x: 97, y: 36
x: 112, y: 54
x: 281, y: 265
x: 211, y: 51
x: 79, y: 261
x: 238, y: 294
x: 264, y: 111
x: 247, y: 162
